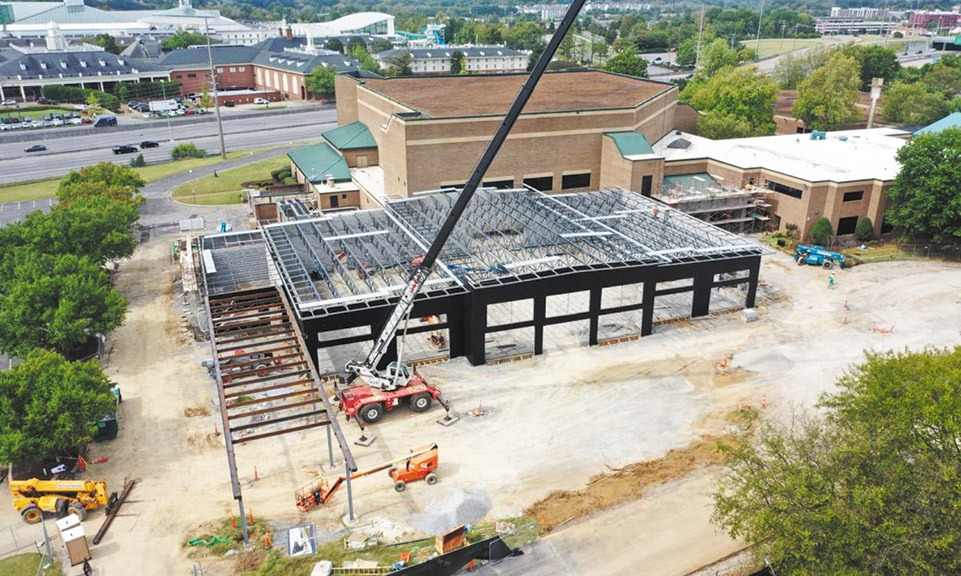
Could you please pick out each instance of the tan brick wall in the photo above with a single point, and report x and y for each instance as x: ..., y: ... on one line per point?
x: 289, y: 84
x: 344, y: 200
x: 424, y: 154
x: 345, y: 89
x: 351, y: 157
x: 685, y: 119
x: 615, y: 169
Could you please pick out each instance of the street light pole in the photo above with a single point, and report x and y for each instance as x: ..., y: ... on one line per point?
x: 213, y: 80
x: 163, y: 90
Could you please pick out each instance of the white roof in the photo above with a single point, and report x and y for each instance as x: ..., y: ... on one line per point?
x: 844, y: 156
x: 358, y: 20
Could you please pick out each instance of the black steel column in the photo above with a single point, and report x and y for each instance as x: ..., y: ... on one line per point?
x: 476, y: 331
x: 753, y: 277
x: 647, y: 313
x: 595, y: 312
x: 457, y: 328
x: 540, y: 313
x: 702, y: 295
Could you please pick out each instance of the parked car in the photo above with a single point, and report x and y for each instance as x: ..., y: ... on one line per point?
x: 86, y: 120
x: 124, y: 149
x: 261, y: 101
x: 230, y: 103
x: 74, y: 121
x: 9, y: 102
x: 35, y: 148
x: 149, y: 144
x: 105, y: 121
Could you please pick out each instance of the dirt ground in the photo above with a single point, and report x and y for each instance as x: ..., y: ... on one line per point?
x: 553, y: 423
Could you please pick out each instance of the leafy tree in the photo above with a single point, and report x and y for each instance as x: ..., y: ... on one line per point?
x: 47, y: 405
x: 400, y: 64
x: 912, y: 104
x: 56, y: 302
x: 875, y: 61
x: 458, y: 62
x: 138, y: 161
x: 525, y: 36
x: 715, y: 56
x: 872, y: 487
x: 738, y: 102
x: 924, y: 201
x: 943, y: 77
x: 206, y: 100
x: 187, y: 150
x: 184, y: 39
x: 627, y: 62
x: 335, y: 45
x: 321, y: 81
x: 821, y: 232
x: 379, y: 45
x: 359, y: 52
x: 98, y: 228
x: 107, y: 42
x: 827, y: 99
x: 93, y: 103
x: 864, y: 231
x: 791, y: 70
x: 106, y: 180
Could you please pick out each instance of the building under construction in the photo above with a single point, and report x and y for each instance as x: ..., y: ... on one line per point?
x: 523, y: 272
x: 731, y: 207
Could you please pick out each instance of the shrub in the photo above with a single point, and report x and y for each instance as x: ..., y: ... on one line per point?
x: 864, y: 231
x: 187, y: 150
x: 284, y: 174
x: 822, y: 232
x: 138, y: 162
x: 289, y: 180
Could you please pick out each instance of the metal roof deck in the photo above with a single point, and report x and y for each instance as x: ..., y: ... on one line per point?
x: 347, y: 261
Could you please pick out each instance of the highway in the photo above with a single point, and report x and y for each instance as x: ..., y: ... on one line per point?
x: 65, y: 153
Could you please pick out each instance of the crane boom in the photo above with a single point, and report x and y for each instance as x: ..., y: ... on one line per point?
x: 423, y: 270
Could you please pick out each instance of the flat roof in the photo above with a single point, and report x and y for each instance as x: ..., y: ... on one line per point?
x: 482, y: 95
x: 843, y: 156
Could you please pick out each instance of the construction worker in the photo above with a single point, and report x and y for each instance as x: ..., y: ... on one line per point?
x: 831, y: 280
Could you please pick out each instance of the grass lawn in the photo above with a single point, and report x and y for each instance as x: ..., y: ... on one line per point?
x: 48, y: 188
x: 26, y: 565
x: 773, y: 46
x: 225, y: 188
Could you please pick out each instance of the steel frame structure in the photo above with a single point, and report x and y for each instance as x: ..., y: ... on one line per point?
x: 347, y: 270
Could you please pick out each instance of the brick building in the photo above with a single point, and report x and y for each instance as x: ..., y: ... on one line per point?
x: 580, y: 131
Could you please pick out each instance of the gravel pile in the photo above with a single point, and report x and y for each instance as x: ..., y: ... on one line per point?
x: 765, y: 360
x: 459, y: 507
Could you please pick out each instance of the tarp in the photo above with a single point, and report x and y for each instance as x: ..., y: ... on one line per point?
x: 490, y: 549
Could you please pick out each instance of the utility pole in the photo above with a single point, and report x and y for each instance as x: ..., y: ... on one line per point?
x: 700, y: 31
x: 213, y: 80
x: 757, y: 43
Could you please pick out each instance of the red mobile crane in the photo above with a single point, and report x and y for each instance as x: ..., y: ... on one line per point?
x: 398, y: 383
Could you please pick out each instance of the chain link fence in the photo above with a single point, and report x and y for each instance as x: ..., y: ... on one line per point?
x: 929, y: 251
x: 22, y: 538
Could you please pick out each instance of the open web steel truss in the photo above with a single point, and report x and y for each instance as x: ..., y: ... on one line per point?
x: 356, y: 260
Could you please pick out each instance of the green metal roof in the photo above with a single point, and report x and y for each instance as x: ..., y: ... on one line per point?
x: 952, y: 120
x: 630, y: 143
x: 317, y: 161
x: 350, y: 136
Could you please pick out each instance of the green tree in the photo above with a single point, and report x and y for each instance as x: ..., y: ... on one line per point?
x: 335, y: 45
x: 791, y: 70
x: 321, y: 81
x: 206, y: 100
x: 93, y: 103
x: 827, y: 99
x: 48, y: 405
x: 184, y: 39
x: 458, y: 62
x: 877, y: 62
x: 627, y: 62
x: 864, y: 231
x: 400, y: 64
x: 715, y: 56
x: 56, y: 302
x: 912, y: 104
x: 98, y: 228
x: 924, y: 201
x: 107, y: 42
x: 106, y: 180
x: 187, y: 150
x: 737, y: 102
x: 872, y: 487
x: 821, y: 232
x: 360, y: 53
x: 944, y: 78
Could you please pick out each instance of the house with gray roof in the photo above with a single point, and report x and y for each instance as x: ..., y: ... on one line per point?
x: 440, y: 59
x: 24, y: 71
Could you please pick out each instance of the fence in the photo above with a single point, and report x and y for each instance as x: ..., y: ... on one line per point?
x: 928, y: 251
x: 23, y: 537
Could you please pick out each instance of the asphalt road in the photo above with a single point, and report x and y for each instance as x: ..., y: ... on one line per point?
x: 65, y: 153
